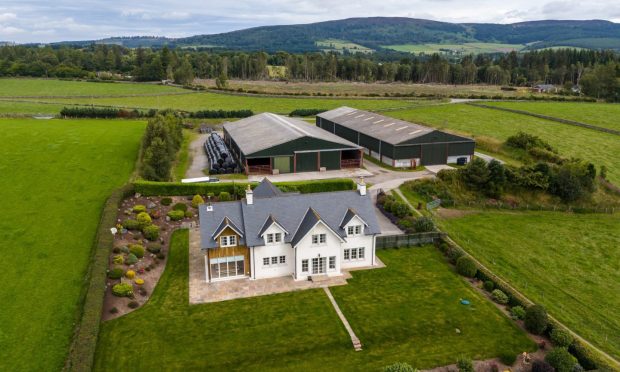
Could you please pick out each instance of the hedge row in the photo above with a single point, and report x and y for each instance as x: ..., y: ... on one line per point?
x: 306, y: 112
x: 150, y: 188
x: 84, y: 342
x: 587, y: 356
x: 218, y: 114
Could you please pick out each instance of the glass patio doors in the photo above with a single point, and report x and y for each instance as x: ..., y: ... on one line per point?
x: 319, y: 265
x: 227, y: 267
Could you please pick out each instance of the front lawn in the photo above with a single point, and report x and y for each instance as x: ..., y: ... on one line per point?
x: 568, y: 262
x: 55, y: 177
x: 408, y: 311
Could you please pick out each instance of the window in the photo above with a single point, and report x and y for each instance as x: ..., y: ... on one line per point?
x: 358, y: 229
x: 304, y: 266
x: 354, y: 230
x: 274, y: 260
x: 282, y: 259
x: 266, y: 261
x: 224, y: 267
x: 350, y: 230
x: 274, y: 238
x: 354, y: 254
x: 228, y: 241
x: 319, y: 239
x: 332, y: 262
x: 269, y: 238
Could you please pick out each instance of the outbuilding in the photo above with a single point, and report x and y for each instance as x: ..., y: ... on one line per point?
x: 396, y: 142
x: 272, y: 144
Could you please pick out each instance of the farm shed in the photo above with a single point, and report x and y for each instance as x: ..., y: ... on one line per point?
x: 269, y: 143
x: 396, y: 142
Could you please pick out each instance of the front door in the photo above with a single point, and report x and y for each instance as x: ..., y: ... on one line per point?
x: 319, y: 265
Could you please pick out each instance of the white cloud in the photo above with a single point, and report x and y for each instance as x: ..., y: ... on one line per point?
x: 7, y: 17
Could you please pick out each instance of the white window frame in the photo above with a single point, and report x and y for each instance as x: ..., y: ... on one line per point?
x: 265, y: 261
x: 354, y: 230
x: 331, y: 265
x: 228, y: 241
x: 319, y: 239
x: 277, y: 237
x: 361, y: 253
x: 305, y: 266
x: 269, y: 239
x: 347, y: 254
x: 354, y: 254
x: 282, y: 260
x: 274, y: 260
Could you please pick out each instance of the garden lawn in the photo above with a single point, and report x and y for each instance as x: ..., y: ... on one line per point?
x: 603, y: 115
x: 570, y: 263
x: 407, y: 312
x: 597, y: 147
x: 61, y: 88
x: 56, y: 175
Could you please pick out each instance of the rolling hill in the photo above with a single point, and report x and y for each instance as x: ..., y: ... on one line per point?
x: 384, y: 32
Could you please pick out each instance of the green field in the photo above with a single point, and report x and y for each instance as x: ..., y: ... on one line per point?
x: 598, y: 147
x: 61, y: 88
x: 405, y: 312
x: 464, y: 48
x: 341, y: 46
x: 570, y: 263
x: 56, y: 175
x: 605, y: 115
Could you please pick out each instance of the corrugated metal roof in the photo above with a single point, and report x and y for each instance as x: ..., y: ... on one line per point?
x: 382, y: 127
x: 266, y: 130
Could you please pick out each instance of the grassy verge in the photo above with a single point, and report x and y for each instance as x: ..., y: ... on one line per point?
x: 61, y: 172
x: 567, y: 262
x: 184, y: 158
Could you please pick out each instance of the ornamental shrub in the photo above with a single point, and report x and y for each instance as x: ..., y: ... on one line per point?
x: 224, y: 196
x: 122, y: 290
x: 115, y: 273
x: 507, y: 358
x: 131, y: 225
x: 399, y: 367
x: 423, y: 224
x: 161, y: 256
x: 180, y: 207
x: 584, y: 355
x: 488, y: 285
x: 139, y: 281
x: 465, y: 365
x: 151, y: 232
x: 517, y: 312
x: 154, y: 248
x: 561, y: 338
x: 138, y: 208
x: 119, y: 259
x: 466, y: 267
x: 130, y: 274
x: 499, y: 296
x: 113, y: 310
x: 166, y: 201
x: 541, y: 366
x: 536, y: 319
x: 453, y: 254
x: 144, y: 219
x: 176, y: 215
x: 137, y: 250
x: 197, y: 200
x: 133, y: 304
x: 405, y: 224
x: 131, y: 259
x: 561, y: 360
x: 189, y: 214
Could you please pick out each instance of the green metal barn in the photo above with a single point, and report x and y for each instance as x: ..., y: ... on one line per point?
x: 272, y: 144
x: 396, y: 142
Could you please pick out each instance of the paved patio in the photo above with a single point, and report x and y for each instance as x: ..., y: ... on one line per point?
x: 202, y: 292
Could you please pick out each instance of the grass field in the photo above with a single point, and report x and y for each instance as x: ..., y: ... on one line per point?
x: 406, y: 312
x: 604, y: 115
x: 598, y: 147
x: 56, y: 177
x: 464, y: 48
x: 341, y: 46
x: 568, y: 262
x: 45, y: 88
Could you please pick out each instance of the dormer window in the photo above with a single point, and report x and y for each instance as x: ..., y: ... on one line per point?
x: 228, y: 241
x: 274, y: 238
x: 354, y: 230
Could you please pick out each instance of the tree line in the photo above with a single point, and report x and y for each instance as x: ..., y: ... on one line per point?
x: 596, y: 71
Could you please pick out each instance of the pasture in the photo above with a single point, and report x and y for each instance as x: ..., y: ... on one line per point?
x: 597, y: 147
x: 406, y: 312
x: 570, y: 263
x: 12, y: 87
x: 464, y: 48
x: 56, y: 175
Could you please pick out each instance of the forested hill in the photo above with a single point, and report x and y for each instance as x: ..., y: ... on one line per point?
x: 380, y: 32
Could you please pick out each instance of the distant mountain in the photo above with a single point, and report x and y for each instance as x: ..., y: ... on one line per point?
x: 381, y: 32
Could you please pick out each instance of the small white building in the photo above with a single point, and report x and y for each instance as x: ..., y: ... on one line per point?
x: 274, y: 234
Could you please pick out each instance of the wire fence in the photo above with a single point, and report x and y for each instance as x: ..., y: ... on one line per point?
x: 408, y: 240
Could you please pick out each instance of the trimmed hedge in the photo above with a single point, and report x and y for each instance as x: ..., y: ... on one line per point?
x: 84, y: 342
x: 151, y: 188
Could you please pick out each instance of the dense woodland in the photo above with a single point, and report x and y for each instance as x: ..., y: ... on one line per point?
x: 596, y: 71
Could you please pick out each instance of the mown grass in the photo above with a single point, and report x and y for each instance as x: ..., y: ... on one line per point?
x: 600, y: 114
x: 50, y: 87
x: 56, y: 175
x: 570, y: 263
x: 465, y: 48
x: 597, y: 147
x: 406, y: 312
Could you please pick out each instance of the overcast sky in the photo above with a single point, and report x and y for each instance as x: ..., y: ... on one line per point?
x: 55, y: 20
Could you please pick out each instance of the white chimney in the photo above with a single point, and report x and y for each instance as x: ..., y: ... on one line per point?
x: 209, y: 205
x: 361, y: 186
x: 249, y: 195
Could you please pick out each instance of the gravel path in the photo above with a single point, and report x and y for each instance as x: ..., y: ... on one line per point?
x: 198, y: 157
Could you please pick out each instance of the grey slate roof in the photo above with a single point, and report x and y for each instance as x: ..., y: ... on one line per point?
x: 266, y: 130
x: 226, y: 222
x: 289, y: 211
x: 307, y: 223
x: 266, y: 189
x: 382, y: 127
x: 349, y: 216
x: 268, y: 222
